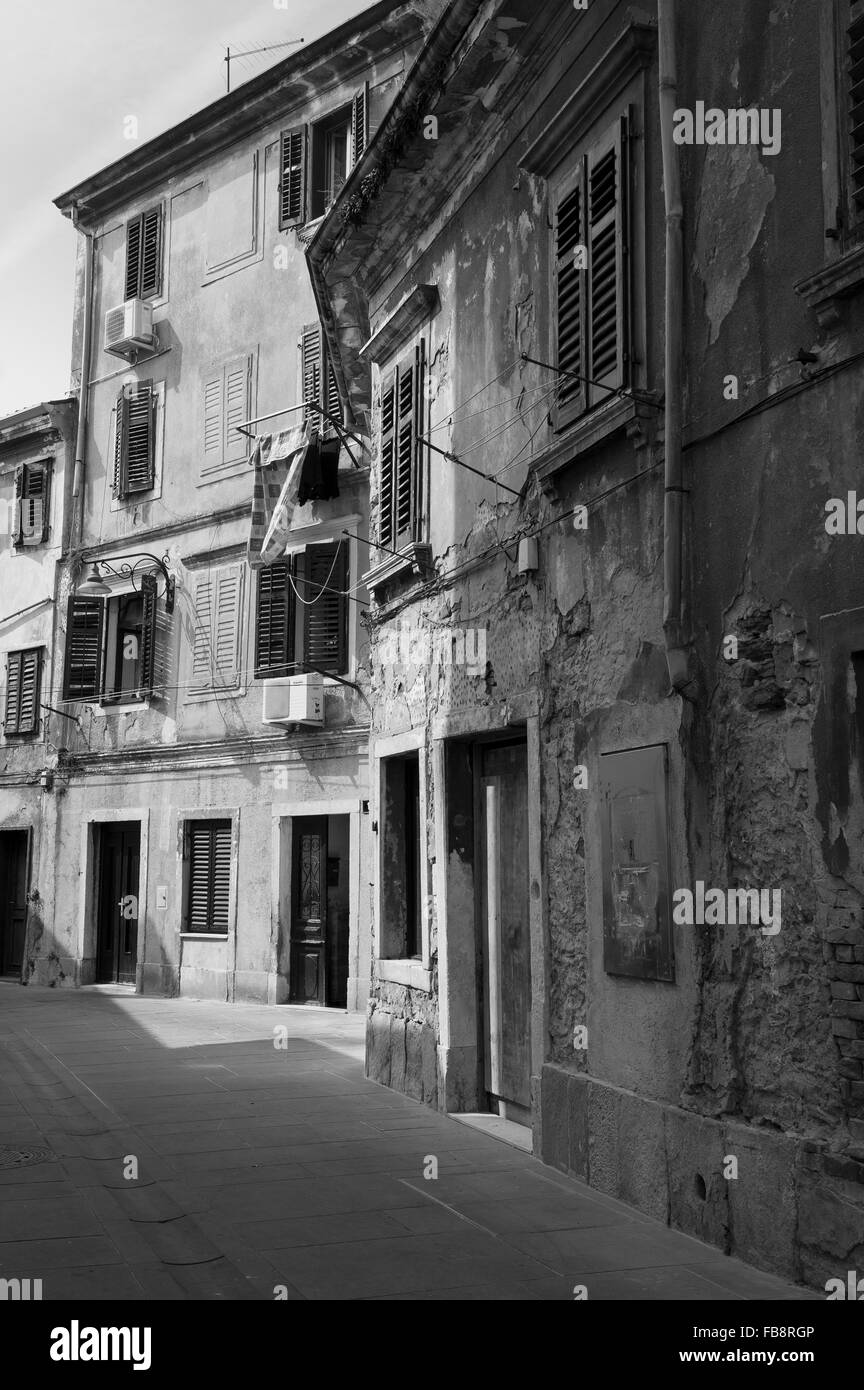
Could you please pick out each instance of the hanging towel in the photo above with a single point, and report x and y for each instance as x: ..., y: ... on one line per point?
x: 278, y: 462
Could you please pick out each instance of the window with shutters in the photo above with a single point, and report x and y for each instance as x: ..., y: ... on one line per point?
x: 850, y: 213
x: 401, y: 486
x: 135, y: 440
x: 319, y: 381
x: 227, y: 403
x: 111, y: 647
x: 144, y: 255
x: 302, y: 613
x: 590, y: 257
x: 32, y: 500
x: 315, y: 160
x: 216, y: 644
x: 23, y: 682
x: 401, y: 852
x: 208, y: 855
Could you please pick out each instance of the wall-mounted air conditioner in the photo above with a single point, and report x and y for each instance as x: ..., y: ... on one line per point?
x: 294, y: 700
x: 129, y: 328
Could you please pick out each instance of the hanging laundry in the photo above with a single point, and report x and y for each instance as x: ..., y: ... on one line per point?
x: 278, y: 461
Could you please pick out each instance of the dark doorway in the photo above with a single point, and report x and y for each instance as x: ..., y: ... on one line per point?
x: 13, y: 900
x: 117, y: 940
x: 505, y: 941
x: 319, y: 910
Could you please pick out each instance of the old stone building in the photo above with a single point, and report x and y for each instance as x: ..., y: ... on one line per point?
x: 211, y: 803
x: 610, y: 369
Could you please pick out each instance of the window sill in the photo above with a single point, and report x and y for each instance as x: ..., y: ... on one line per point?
x: 824, y: 291
x: 416, y: 557
x: 412, y: 973
x: 620, y: 415
x: 116, y: 707
x: 204, y: 935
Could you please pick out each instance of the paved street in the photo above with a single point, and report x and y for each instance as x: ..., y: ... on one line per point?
x: 261, y: 1167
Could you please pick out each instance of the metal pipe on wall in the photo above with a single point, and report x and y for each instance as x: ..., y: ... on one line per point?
x: 77, y: 519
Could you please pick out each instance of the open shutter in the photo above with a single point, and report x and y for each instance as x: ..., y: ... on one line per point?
x: 84, y: 622
x: 407, y: 490
x: 203, y: 637
x: 359, y: 123
x: 121, y: 429
x: 388, y: 461
x: 311, y: 363
x: 13, y: 691
x: 151, y: 253
x: 148, y: 636
x: 133, y: 258
x: 212, y: 431
x: 274, y: 622
x: 137, y: 466
x: 20, y: 488
x: 570, y: 296
x: 28, y: 697
x: 855, y: 109
x: 236, y: 411
x: 292, y: 177
x: 325, y: 619
x: 607, y: 246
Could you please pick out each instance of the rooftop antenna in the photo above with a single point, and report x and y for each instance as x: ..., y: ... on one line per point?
x: 229, y: 56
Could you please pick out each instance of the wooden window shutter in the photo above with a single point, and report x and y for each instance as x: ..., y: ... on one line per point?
x: 148, y: 636
x: 209, y: 854
x: 213, y: 419
x: 216, y: 644
x: 133, y: 258
x: 406, y: 502
x: 570, y: 296
x: 311, y: 366
x: 325, y: 625
x: 292, y: 177
x: 607, y: 235
x: 32, y: 488
x: 144, y: 255
x: 138, y: 451
x: 274, y: 622
x: 202, y: 640
x: 855, y: 110
x: 83, y: 674
x: 359, y: 123
x: 388, y: 461
x: 238, y: 376
x: 23, y: 672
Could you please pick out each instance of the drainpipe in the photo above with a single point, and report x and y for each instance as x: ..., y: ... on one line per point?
x: 677, y: 654
x: 77, y: 518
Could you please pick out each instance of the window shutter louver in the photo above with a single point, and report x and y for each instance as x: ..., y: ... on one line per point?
x: 606, y: 202
x: 148, y: 636
x: 213, y: 419
x: 28, y: 698
x: 325, y: 620
x: 138, y: 454
x: 406, y: 490
x: 237, y: 382
x: 359, y: 123
x: 275, y: 618
x: 201, y: 644
x: 215, y: 648
x: 13, y: 691
x: 311, y: 351
x: 20, y: 487
x: 855, y: 109
x: 151, y: 239
x: 227, y: 626
x: 84, y: 622
x: 209, y: 875
x: 570, y: 298
x: 388, y: 458
x: 292, y: 177
x: 121, y: 426
x: 133, y: 258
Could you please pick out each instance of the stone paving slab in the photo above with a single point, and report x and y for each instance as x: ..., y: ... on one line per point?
x: 262, y: 1168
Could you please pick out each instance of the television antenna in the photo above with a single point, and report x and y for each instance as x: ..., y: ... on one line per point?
x: 267, y: 48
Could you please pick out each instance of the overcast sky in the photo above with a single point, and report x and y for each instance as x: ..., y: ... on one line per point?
x: 71, y: 71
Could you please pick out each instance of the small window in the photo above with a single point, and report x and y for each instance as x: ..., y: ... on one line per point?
x: 400, y: 499
x: 135, y: 440
x: 23, y: 682
x: 207, y: 855
x: 144, y: 255
x: 32, y: 498
x: 302, y: 618
x: 401, y: 937
x: 110, y: 647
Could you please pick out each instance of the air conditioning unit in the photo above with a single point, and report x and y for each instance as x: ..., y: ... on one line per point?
x: 129, y: 327
x: 294, y: 700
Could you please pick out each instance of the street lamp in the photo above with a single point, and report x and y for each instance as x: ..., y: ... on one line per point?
x: 94, y: 585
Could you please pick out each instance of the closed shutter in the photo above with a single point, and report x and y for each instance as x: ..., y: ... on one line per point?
x: 607, y: 251
x: 23, y: 672
x: 570, y: 297
x: 325, y: 626
x: 209, y: 848
x: 144, y: 255
x: 292, y: 177
x: 135, y: 439
x: 202, y: 640
x: 213, y: 419
x: 274, y: 622
x: 83, y: 674
x: 227, y: 392
x: 359, y: 123
x: 406, y: 503
x: 148, y: 636
x: 388, y: 459
x: 216, y: 646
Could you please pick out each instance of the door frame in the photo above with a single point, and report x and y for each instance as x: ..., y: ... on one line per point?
x: 105, y: 911
x: 26, y: 830
x: 459, y: 1062
x: 282, y: 868
x: 88, y: 917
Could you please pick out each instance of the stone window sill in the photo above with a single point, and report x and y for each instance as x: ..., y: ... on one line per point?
x: 824, y: 291
x: 204, y: 935
x: 415, y: 557
x: 619, y: 415
x: 412, y: 973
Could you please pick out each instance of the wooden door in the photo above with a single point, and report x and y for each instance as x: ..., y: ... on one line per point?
x: 13, y: 900
x: 309, y: 910
x: 117, y: 938
x: 505, y: 934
